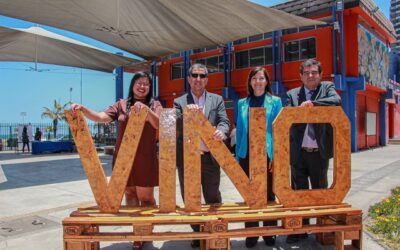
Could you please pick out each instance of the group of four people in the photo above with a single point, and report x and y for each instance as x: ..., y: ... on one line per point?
x: 310, y: 147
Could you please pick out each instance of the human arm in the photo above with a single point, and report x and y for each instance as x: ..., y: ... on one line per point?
x: 329, y: 98
x: 91, y: 114
x: 223, y: 122
x: 289, y: 99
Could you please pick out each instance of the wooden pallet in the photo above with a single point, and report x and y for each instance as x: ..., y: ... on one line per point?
x: 86, y: 227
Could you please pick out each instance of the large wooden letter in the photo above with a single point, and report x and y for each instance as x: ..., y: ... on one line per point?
x: 253, y: 189
x: 167, y: 160
x: 341, y: 178
x: 108, y: 196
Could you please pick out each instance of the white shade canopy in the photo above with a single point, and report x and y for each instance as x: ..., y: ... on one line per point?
x: 41, y: 46
x: 155, y: 28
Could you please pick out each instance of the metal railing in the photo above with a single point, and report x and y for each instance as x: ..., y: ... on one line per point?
x: 10, y: 136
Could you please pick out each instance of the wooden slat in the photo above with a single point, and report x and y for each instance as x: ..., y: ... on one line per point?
x: 257, y: 157
x: 179, y: 219
x: 124, y: 161
x: 167, y: 161
x: 234, y: 233
x: 89, y: 158
x: 206, y: 209
x: 339, y: 240
x: 191, y: 161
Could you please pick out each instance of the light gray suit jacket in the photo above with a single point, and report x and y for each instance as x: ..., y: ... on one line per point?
x: 214, y: 111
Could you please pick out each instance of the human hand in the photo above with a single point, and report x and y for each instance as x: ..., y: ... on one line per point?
x: 307, y: 104
x: 193, y: 106
x: 138, y: 106
x: 76, y: 106
x: 157, y: 107
x: 218, y: 135
x: 270, y: 167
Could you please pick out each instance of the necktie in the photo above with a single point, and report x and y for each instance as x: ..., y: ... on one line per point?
x: 311, y: 132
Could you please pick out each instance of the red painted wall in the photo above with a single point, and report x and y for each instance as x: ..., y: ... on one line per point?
x: 367, y: 101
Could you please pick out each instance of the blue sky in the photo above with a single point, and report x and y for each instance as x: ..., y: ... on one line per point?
x: 26, y: 91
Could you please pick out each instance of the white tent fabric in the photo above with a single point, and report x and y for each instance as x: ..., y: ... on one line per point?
x: 154, y: 28
x: 41, y: 46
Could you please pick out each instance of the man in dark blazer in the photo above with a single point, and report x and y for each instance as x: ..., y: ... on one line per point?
x: 213, y: 108
x: 311, y: 145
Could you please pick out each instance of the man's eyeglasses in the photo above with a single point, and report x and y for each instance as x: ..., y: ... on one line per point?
x: 307, y: 73
x: 194, y: 75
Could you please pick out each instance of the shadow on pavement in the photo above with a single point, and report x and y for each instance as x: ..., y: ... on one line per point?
x: 33, y: 173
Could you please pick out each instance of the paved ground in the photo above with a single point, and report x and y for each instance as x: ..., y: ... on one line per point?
x: 37, y: 192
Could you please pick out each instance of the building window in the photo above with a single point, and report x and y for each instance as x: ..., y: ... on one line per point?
x: 176, y: 71
x: 201, y: 61
x: 221, y: 63
x: 240, y: 41
x: 175, y: 55
x: 256, y: 38
x: 195, y: 51
x: 300, y: 50
x: 242, y: 59
x: 214, y: 64
x: 256, y: 57
x: 268, y: 55
x: 290, y: 31
x: 211, y: 48
x: 307, y: 49
x: 292, y: 51
x: 305, y: 28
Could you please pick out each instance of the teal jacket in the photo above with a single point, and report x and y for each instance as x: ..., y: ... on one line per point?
x: 273, y: 105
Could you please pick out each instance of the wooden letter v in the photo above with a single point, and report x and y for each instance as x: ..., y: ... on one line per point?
x: 108, y: 195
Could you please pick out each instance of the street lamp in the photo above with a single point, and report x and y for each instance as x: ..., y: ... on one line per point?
x: 70, y: 96
x: 23, y: 114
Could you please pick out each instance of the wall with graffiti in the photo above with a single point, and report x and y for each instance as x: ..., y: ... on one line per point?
x: 373, y: 59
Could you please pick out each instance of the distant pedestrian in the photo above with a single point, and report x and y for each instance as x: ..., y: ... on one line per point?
x: 38, y: 135
x: 25, y: 139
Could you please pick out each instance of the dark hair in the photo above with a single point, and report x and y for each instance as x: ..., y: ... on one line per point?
x: 131, y: 99
x: 252, y: 73
x: 310, y: 62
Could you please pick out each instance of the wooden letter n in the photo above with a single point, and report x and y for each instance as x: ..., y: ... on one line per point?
x: 196, y: 128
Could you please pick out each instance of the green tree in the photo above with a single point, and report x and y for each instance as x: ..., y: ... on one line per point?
x: 55, y: 113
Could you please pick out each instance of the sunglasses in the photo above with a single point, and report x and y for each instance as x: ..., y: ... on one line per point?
x: 194, y: 75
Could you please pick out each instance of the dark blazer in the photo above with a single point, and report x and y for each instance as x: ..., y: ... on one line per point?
x: 214, y: 111
x: 325, y: 95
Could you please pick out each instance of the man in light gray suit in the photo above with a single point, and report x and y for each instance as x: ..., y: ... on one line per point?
x: 213, y: 108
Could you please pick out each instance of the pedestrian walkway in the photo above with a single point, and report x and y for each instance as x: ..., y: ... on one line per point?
x: 37, y: 192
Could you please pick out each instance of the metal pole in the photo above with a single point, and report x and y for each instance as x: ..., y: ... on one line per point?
x: 81, y: 87
x: 334, y: 34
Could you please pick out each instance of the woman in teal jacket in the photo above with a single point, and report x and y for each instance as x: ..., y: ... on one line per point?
x: 259, y: 95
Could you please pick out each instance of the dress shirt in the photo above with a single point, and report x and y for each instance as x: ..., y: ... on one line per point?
x: 307, y: 141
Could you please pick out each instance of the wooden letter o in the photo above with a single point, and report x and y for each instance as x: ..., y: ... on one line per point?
x: 341, y: 146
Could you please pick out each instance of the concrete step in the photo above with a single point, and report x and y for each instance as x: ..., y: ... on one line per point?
x: 394, y: 141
